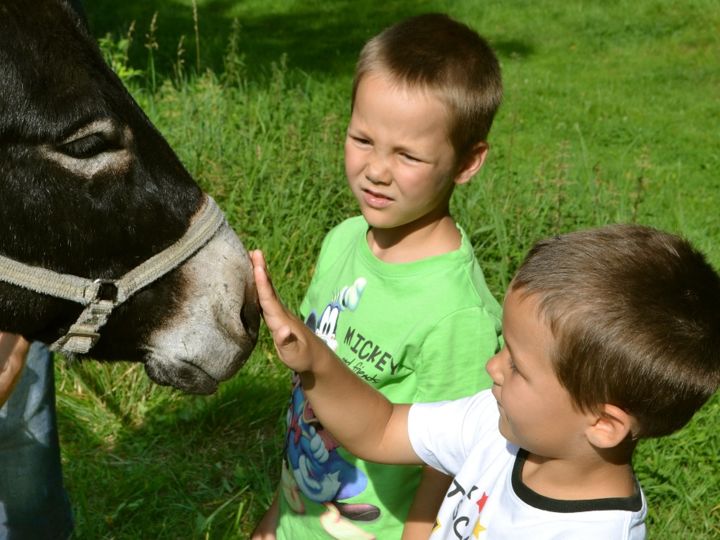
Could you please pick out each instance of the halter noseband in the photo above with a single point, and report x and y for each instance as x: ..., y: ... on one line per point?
x: 101, y: 296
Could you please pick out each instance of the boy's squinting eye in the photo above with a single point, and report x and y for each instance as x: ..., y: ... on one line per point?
x: 359, y: 140
x: 411, y: 157
x: 513, y: 367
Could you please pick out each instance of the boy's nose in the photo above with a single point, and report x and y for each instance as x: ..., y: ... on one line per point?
x: 494, y: 368
x: 377, y: 171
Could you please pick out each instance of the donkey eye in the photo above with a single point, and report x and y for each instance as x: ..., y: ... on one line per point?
x: 100, y: 146
x: 89, y: 146
x: 84, y: 147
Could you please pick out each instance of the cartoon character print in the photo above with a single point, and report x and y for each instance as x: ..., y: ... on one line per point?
x: 313, y: 465
x: 326, y: 325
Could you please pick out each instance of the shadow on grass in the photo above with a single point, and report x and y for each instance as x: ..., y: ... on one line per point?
x: 320, y: 38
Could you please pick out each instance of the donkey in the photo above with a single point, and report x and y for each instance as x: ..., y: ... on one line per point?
x: 108, y: 248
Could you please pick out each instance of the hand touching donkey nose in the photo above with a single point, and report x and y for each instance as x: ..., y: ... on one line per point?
x: 377, y: 429
x: 293, y: 340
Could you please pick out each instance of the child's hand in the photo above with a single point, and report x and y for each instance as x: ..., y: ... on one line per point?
x: 293, y: 340
x: 377, y: 430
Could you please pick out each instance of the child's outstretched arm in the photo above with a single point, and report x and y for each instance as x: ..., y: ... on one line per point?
x: 357, y: 415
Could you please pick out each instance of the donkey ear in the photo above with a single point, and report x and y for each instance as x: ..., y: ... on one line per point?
x: 612, y: 426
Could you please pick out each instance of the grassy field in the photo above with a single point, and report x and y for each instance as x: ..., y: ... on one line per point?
x: 610, y: 115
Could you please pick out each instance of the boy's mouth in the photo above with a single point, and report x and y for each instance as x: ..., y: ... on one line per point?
x: 375, y: 199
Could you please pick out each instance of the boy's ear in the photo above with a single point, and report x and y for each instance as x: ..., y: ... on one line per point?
x: 611, y: 427
x: 472, y: 162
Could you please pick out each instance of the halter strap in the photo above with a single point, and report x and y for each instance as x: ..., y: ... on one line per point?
x: 101, y: 296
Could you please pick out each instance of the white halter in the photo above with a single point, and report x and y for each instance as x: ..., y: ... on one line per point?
x: 101, y: 296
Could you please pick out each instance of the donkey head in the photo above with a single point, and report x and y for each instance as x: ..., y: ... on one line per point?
x: 88, y: 187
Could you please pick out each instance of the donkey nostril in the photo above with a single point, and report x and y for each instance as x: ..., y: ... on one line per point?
x: 250, y: 317
x: 243, y: 317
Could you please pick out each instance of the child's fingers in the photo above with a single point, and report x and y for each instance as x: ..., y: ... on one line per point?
x: 284, y: 337
x: 266, y: 291
x: 274, y: 312
x: 287, y: 331
x: 257, y: 258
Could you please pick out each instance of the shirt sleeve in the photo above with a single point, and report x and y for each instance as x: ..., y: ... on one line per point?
x: 443, y: 433
x: 453, y: 356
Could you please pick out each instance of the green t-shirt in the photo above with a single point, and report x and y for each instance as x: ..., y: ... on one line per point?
x: 418, y: 332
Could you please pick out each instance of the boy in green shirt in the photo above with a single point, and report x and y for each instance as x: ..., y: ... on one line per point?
x: 397, y: 292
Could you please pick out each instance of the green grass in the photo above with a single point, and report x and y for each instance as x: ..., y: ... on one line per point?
x: 610, y: 114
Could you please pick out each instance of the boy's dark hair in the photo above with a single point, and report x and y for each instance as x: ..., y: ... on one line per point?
x: 449, y: 59
x: 635, y: 313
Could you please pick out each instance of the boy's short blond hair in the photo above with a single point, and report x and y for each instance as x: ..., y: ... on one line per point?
x: 435, y: 53
x: 635, y: 313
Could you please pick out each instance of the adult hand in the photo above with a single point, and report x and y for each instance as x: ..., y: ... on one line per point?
x: 13, y: 350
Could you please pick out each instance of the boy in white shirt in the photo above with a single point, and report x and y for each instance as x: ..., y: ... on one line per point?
x: 611, y: 335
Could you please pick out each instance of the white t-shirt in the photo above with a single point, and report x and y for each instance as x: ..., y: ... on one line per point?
x: 487, y: 498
